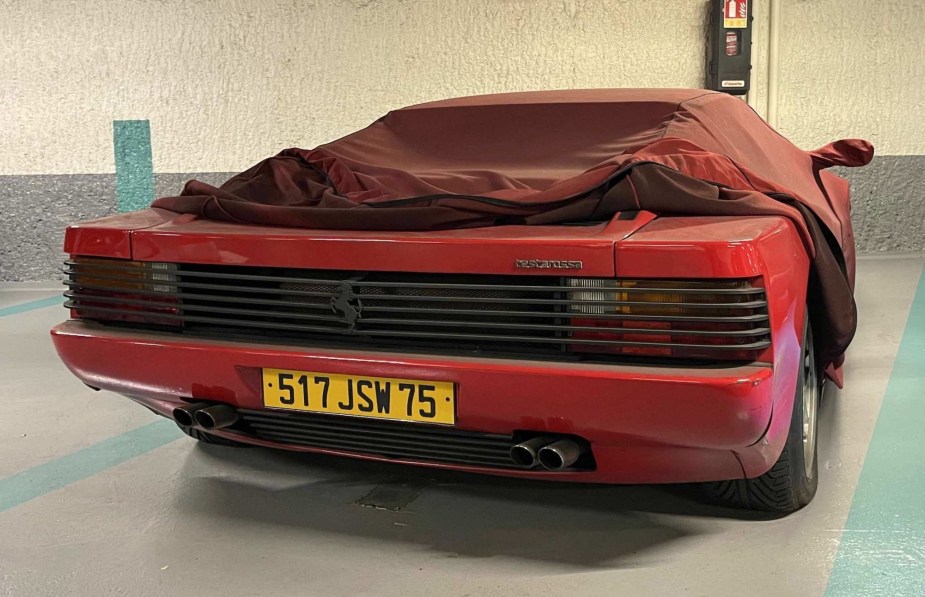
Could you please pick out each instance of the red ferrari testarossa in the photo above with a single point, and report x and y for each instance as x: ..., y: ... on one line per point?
x: 613, y: 286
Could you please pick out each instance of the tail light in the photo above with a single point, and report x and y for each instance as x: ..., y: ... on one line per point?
x: 120, y: 290
x: 715, y: 319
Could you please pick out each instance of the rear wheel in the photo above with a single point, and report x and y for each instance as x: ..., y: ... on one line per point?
x: 208, y: 438
x: 791, y: 483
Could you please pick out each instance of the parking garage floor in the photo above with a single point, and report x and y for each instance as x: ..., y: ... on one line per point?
x: 100, y: 497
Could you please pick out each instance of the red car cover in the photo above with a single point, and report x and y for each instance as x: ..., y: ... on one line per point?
x: 562, y: 156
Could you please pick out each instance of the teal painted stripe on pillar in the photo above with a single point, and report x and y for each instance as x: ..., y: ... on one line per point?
x: 32, y: 305
x: 60, y: 472
x: 882, y: 549
x: 134, y: 166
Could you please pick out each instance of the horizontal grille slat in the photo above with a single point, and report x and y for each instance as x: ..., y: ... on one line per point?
x: 486, y: 462
x: 403, y: 334
x: 363, y: 425
x: 565, y: 302
x: 393, y: 439
x: 532, y: 316
x: 430, y: 445
x: 207, y: 308
x: 565, y: 328
x: 757, y: 317
x: 202, y: 286
x: 435, y: 335
x: 451, y: 299
x: 429, y: 285
x: 350, y: 424
x: 194, y: 296
x: 195, y: 319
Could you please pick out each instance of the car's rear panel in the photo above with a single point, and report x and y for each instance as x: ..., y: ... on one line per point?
x: 658, y: 347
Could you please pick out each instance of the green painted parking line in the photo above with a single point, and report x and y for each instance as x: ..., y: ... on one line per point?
x: 50, y: 301
x: 882, y: 549
x: 134, y: 166
x: 60, y: 472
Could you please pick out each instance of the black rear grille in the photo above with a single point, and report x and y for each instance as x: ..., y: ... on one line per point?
x: 539, y: 316
x: 390, y: 439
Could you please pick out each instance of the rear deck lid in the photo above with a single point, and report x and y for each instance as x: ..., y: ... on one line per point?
x: 536, y: 250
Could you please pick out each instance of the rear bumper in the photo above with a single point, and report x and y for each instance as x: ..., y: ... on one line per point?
x: 645, y: 424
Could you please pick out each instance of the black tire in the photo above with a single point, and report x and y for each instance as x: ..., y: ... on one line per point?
x: 208, y: 438
x: 787, y: 486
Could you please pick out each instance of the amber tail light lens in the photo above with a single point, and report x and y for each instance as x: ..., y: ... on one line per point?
x: 710, y: 319
x: 120, y: 290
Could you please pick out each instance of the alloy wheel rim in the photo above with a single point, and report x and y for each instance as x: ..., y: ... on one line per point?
x: 810, y: 407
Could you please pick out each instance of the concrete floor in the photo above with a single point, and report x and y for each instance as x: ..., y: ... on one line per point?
x: 81, y: 516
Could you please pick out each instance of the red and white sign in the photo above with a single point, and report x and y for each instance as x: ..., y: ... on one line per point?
x: 735, y: 14
x: 732, y: 43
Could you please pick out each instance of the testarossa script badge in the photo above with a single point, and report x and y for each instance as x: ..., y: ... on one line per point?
x: 546, y: 264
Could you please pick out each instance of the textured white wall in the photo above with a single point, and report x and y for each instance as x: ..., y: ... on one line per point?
x: 853, y: 68
x: 227, y: 82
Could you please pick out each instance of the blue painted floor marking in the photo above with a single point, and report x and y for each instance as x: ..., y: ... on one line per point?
x: 50, y: 301
x: 882, y: 548
x: 60, y: 472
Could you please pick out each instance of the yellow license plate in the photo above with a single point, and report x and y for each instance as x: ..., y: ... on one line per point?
x: 361, y: 396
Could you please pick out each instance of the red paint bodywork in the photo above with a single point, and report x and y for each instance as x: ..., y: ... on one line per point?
x: 646, y: 424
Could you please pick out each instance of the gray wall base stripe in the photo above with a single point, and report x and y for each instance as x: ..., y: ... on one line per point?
x: 37, y: 208
x: 888, y: 203
x: 888, y: 199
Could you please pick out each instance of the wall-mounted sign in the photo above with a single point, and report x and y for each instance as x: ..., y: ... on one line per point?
x: 735, y: 14
x: 730, y: 46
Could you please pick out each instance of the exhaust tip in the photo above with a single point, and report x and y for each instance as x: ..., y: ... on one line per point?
x: 560, y: 455
x: 523, y: 456
x: 525, y: 453
x: 215, y: 417
x: 552, y: 460
x: 184, y: 415
x: 204, y: 420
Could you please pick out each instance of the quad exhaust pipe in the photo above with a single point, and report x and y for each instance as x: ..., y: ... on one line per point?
x: 560, y: 455
x: 186, y: 415
x: 553, y: 454
x: 216, y: 417
x: 526, y: 454
x: 205, y: 415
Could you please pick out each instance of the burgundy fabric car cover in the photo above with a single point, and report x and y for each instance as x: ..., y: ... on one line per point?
x: 560, y: 156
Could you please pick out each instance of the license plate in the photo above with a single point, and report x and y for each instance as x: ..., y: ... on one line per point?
x: 360, y: 396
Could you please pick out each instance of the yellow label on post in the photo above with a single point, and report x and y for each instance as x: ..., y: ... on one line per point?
x: 360, y: 396
x: 735, y: 14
